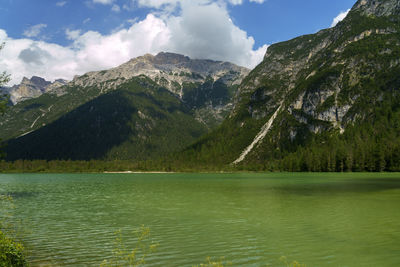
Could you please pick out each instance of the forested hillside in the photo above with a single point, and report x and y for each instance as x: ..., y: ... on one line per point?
x: 329, y: 101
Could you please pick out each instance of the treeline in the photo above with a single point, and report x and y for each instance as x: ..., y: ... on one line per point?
x: 341, y: 157
x: 68, y: 166
x: 310, y: 159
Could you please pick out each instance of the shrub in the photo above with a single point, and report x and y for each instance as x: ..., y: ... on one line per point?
x: 11, y: 252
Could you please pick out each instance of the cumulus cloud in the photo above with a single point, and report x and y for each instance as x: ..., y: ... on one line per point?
x: 90, y: 51
x: 200, y: 29
x: 340, y: 17
x: 206, y: 31
x: 34, y: 30
x: 34, y: 55
x: 25, y: 57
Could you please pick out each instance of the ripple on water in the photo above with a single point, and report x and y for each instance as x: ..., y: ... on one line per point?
x: 326, y: 221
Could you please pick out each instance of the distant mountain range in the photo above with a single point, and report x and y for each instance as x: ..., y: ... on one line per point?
x: 147, y: 107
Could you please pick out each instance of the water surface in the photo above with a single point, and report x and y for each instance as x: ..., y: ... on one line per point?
x: 250, y: 219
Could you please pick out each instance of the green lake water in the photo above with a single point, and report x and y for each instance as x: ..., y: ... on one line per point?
x: 250, y: 219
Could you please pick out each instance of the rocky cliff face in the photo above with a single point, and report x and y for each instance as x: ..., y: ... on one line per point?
x: 31, y: 88
x: 378, y: 8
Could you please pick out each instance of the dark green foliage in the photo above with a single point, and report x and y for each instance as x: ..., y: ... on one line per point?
x: 139, y: 120
x: 11, y: 253
x: 210, y: 92
x: 32, y: 110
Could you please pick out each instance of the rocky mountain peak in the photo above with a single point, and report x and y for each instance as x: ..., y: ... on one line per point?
x: 25, y: 81
x: 61, y: 81
x: 170, y: 70
x: 170, y: 58
x: 39, y: 81
x: 378, y: 7
x: 35, y: 81
x: 31, y: 88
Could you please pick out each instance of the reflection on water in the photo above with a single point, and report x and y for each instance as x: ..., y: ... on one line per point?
x: 251, y: 219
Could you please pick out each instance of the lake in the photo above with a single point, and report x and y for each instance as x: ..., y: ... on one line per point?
x: 250, y: 219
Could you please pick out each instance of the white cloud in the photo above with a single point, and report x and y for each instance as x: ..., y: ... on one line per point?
x: 61, y: 3
x: 236, y: 2
x: 200, y: 29
x: 34, y: 30
x: 72, y: 34
x: 239, y: 2
x: 116, y: 8
x: 340, y: 17
x: 104, y: 2
x: 206, y: 31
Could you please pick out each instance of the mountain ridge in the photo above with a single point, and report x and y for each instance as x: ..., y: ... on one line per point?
x: 172, y: 70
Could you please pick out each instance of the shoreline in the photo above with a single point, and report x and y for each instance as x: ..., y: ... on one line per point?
x: 131, y: 172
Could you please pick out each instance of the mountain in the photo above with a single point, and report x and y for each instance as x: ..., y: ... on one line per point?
x: 31, y: 88
x: 328, y: 101
x: 206, y: 86
x: 145, y: 108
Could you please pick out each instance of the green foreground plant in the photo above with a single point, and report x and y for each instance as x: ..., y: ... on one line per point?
x: 11, y: 252
x: 210, y: 262
x: 291, y: 264
x: 122, y: 256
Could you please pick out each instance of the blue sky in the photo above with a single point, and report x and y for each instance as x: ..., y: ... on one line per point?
x: 61, y: 38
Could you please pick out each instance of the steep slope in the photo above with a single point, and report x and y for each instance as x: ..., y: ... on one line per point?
x: 137, y: 120
x: 327, y: 101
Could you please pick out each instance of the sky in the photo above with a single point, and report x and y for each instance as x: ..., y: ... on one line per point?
x: 63, y: 38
